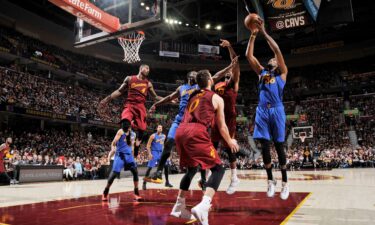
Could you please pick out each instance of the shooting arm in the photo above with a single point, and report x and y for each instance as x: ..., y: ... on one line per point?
x: 254, y: 63
x: 278, y: 55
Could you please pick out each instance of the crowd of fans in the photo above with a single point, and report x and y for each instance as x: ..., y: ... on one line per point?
x: 83, y: 156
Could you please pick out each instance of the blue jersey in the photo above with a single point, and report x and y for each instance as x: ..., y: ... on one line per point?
x: 185, y: 91
x: 158, y: 142
x: 271, y: 88
x: 122, y: 146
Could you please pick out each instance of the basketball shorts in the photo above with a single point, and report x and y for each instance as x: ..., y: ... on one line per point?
x: 175, y: 124
x: 123, y: 161
x: 136, y: 114
x: 156, y: 155
x: 270, y: 123
x: 194, y: 147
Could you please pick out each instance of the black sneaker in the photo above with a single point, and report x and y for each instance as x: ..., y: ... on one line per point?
x: 157, y: 178
x: 168, y: 185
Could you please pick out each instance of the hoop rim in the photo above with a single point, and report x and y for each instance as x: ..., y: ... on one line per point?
x: 140, y: 32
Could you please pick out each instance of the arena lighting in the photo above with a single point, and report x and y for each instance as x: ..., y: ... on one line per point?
x: 147, y: 8
x: 175, y: 21
x: 196, y: 25
x: 142, y: 4
x: 218, y: 27
x: 179, y: 22
x: 187, y: 24
x: 208, y: 26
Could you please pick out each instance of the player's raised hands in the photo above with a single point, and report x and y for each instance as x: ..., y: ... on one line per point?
x: 260, y: 26
x: 233, y: 145
x: 224, y: 43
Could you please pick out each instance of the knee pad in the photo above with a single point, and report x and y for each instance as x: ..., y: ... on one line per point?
x: 186, y: 179
x: 112, y: 176
x: 231, y: 156
x: 266, y: 151
x: 280, y: 153
x: 125, y: 125
x: 216, y: 177
x: 134, y: 171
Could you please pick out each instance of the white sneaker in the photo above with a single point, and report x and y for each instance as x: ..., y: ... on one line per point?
x: 284, y: 194
x: 200, y: 212
x: 271, y: 188
x: 233, y: 185
x: 179, y: 210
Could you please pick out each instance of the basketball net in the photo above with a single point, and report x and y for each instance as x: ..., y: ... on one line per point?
x: 131, y: 43
x: 302, y: 138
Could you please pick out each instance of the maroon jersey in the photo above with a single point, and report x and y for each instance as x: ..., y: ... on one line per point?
x: 137, y: 91
x: 200, y: 108
x: 224, y: 90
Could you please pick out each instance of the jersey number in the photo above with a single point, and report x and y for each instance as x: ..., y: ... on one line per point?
x: 193, y: 105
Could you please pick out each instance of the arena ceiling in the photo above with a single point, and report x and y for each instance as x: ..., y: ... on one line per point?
x: 224, y: 13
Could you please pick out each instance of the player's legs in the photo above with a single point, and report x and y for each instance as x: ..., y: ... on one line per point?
x: 134, y: 172
x: 5, y: 174
x: 111, y: 178
x: 200, y: 211
x: 179, y: 209
x: 166, y: 175
x: 157, y: 176
x: 234, y: 181
x: 278, y: 120
x: 266, y: 153
x: 151, y: 164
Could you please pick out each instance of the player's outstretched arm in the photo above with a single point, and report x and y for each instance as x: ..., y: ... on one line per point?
x: 218, y: 103
x: 253, y: 61
x: 114, y: 143
x: 165, y: 100
x: 149, y: 146
x: 236, y: 68
x: 217, y: 77
x: 276, y: 50
x: 117, y: 93
x: 152, y: 92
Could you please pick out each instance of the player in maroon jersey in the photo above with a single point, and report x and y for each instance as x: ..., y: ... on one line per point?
x: 228, y: 90
x: 134, y: 113
x: 4, y: 149
x: 195, y: 147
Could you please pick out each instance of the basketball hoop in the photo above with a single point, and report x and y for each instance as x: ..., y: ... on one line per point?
x: 131, y: 43
x: 302, y: 136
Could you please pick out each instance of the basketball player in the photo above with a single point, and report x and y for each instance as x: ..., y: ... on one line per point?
x: 183, y: 92
x: 155, y: 146
x: 195, y: 147
x: 123, y: 151
x: 270, y: 116
x: 228, y: 90
x: 4, y: 149
x: 134, y: 113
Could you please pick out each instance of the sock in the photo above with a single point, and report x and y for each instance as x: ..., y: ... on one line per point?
x: 234, y: 173
x: 206, y: 200
x: 136, y: 191
x: 284, y: 176
x: 269, y: 173
x: 180, y: 200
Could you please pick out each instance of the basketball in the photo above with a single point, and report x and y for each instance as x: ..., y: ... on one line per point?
x: 250, y: 21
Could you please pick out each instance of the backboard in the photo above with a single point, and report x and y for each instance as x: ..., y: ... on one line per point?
x: 102, y: 20
x: 302, y: 132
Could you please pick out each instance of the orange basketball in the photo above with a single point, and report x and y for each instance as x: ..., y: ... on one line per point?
x: 250, y: 21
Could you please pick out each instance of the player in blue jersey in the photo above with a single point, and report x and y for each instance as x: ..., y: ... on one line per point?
x: 123, y: 148
x: 183, y: 92
x: 270, y: 116
x: 155, y: 147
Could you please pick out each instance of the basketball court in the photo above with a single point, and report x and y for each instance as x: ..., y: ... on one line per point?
x: 343, y: 196
x: 329, y: 197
